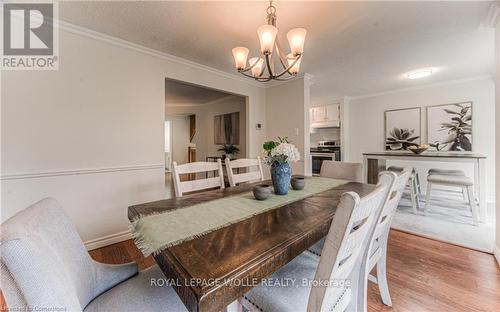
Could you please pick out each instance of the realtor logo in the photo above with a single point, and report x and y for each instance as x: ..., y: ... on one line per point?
x: 29, y: 36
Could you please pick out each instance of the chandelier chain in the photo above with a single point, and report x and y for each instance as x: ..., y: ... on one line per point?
x: 271, y: 9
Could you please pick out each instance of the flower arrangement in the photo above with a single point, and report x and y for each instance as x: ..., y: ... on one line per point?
x: 279, y: 155
x: 280, y: 152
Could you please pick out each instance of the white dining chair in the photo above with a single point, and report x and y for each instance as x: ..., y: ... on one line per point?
x: 413, y: 186
x: 182, y: 187
x: 249, y: 175
x: 342, y: 170
x: 377, y: 250
x: 339, y: 265
x: 45, y: 266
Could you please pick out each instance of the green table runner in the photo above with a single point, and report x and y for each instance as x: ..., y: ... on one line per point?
x: 153, y: 233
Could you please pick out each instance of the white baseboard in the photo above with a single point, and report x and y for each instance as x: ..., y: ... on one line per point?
x: 496, y: 252
x: 108, y: 240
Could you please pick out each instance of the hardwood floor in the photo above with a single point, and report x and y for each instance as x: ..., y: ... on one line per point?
x: 424, y: 275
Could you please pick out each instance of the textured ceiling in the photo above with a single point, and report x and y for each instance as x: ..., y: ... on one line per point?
x: 183, y: 94
x: 352, y: 48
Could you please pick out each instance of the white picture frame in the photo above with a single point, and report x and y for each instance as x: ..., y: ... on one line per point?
x: 402, y: 128
x: 440, y: 131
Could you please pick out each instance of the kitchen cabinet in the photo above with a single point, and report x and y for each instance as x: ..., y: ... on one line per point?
x: 325, y: 116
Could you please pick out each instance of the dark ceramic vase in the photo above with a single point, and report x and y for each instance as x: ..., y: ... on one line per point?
x: 298, y: 183
x: 262, y: 191
x: 281, y: 175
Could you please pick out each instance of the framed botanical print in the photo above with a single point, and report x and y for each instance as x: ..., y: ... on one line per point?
x: 402, y: 128
x: 449, y: 127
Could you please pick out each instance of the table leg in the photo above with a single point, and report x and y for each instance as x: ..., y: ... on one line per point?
x: 480, y: 175
x: 374, y: 166
x: 365, y: 169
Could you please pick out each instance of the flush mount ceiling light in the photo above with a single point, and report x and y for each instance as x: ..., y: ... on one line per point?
x: 262, y: 67
x: 420, y: 73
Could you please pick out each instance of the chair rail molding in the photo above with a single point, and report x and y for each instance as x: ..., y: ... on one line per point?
x: 44, y: 174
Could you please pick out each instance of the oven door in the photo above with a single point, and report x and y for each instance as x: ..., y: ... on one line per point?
x: 317, y: 161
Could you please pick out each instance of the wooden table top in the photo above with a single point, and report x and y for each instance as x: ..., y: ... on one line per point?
x: 217, y: 268
x: 426, y: 154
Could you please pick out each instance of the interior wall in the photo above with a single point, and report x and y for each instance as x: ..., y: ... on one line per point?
x: 204, y: 137
x: 497, y: 126
x: 366, y: 121
x: 91, y: 133
x: 287, y: 115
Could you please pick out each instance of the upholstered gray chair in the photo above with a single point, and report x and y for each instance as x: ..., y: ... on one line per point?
x: 45, y: 265
x: 342, y: 170
x: 330, y: 282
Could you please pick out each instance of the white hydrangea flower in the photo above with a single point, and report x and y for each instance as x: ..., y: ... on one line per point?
x: 286, y: 152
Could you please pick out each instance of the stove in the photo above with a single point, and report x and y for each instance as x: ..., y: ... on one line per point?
x: 326, y: 150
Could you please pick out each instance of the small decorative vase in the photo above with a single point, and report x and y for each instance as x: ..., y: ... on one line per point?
x: 281, y: 174
x: 262, y: 191
x: 298, y: 183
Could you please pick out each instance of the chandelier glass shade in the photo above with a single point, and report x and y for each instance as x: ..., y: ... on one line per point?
x: 261, y: 68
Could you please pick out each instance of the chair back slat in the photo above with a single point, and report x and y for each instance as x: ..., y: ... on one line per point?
x: 248, y: 176
x: 182, y: 187
x: 344, y: 248
x: 197, y: 167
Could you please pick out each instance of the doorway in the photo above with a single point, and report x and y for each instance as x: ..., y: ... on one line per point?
x: 203, y: 123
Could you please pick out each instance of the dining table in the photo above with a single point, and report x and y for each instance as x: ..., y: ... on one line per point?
x: 210, y: 271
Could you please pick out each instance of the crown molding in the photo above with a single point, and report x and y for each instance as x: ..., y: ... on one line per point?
x: 82, y: 31
x: 307, y: 77
x: 492, y: 18
x: 437, y: 84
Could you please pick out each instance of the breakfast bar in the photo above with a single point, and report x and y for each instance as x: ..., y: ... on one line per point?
x: 374, y: 162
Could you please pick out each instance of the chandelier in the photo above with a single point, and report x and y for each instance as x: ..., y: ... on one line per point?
x: 269, y: 42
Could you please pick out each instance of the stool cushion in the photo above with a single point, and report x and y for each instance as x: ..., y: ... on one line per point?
x: 446, y: 172
x: 450, y: 180
x: 395, y: 169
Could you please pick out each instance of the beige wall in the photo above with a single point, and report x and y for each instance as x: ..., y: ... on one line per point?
x: 204, y: 137
x: 287, y: 114
x: 91, y: 133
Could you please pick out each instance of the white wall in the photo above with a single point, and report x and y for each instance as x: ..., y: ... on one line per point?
x: 180, y: 138
x: 204, y: 137
x: 91, y: 133
x: 497, y: 122
x: 288, y: 115
x: 366, y: 120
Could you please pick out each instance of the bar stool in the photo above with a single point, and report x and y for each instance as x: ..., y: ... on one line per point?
x: 413, y: 184
x: 452, y: 172
x: 461, y: 181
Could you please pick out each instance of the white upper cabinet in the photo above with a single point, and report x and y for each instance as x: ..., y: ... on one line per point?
x: 325, y: 116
